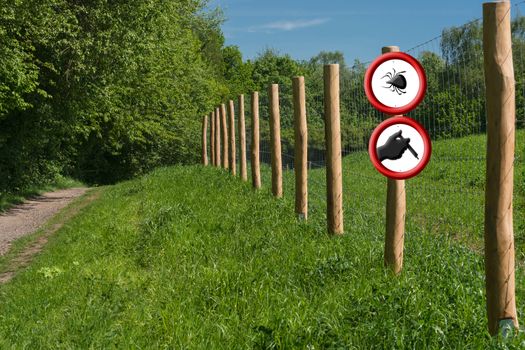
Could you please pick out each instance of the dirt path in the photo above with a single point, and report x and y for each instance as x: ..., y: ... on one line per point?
x: 26, y: 218
x: 41, y: 209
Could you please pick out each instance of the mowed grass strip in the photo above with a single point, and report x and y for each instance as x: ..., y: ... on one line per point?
x: 190, y: 257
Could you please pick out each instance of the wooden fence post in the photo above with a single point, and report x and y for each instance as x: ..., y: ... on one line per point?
x: 204, y: 140
x: 395, y: 214
x: 212, y: 138
x: 242, y: 139
x: 501, y: 117
x: 275, y: 141
x: 256, y: 165
x: 233, y: 155
x: 224, y: 129
x: 217, y: 137
x: 334, y: 176
x: 301, y: 148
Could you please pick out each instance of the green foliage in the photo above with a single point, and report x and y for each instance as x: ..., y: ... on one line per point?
x: 270, y: 67
x: 238, y: 74
x: 102, y: 90
x: 328, y: 57
x: 461, y: 45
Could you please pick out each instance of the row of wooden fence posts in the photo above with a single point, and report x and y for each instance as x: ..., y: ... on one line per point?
x: 395, y: 192
x: 334, y: 199
x: 500, y: 92
x: 334, y: 180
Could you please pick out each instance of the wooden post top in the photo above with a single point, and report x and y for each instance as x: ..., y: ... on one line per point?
x: 392, y: 48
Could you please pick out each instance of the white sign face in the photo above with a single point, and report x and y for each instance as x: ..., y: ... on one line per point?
x: 395, y: 83
x: 400, y: 148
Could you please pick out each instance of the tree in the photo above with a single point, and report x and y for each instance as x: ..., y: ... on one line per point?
x: 238, y: 74
x: 104, y: 90
x: 329, y: 57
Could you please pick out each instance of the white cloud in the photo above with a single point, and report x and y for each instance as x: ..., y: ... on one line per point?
x: 290, y: 25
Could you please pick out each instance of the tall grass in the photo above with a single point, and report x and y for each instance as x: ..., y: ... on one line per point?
x: 190, y: 257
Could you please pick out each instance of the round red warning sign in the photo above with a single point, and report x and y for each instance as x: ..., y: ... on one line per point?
x: 400, y: 148
x: 395, y: 83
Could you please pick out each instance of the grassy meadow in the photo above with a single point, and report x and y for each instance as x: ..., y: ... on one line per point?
x: 190, y: 257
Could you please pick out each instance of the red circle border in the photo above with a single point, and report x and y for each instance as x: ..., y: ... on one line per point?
x: 372, y: 145
x: 422, y: 83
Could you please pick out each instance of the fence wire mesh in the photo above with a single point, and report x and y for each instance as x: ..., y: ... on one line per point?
x: 448, y: 196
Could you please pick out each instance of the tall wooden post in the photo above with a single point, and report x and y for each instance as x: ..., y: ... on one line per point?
x: 501, y: 117
x: 217, y: 137
x: 233, y: 154
x: 224, y: 127
x: 242, y: 140
x: 301, y: 148
x: 334, y: 176
x: 212, y: 138
x: 395, y: 214
x: 204, y: 140
x: 275, y: 141
x: 256, y: 165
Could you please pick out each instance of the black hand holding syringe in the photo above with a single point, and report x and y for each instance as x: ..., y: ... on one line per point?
x: 394, y: 147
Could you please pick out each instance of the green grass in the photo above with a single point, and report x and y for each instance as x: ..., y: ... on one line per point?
x: 190, y: 257
x: 8, y: 200
x: 447, y: 197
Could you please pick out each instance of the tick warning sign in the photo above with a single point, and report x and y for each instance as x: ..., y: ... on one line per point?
x: 395, y: 83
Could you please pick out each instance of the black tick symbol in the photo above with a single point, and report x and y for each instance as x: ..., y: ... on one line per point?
x: 397, y: 82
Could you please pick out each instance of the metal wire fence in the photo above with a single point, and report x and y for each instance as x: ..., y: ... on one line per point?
x: 448, y: 196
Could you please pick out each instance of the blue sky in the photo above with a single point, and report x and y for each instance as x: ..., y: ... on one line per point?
x: 357, y: 28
